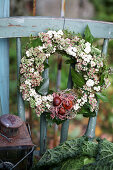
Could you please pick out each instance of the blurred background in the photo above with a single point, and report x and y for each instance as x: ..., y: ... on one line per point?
x: 83, y: 9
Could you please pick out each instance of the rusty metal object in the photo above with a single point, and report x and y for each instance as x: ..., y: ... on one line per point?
x: 10, y: 124
x: 18, y: 149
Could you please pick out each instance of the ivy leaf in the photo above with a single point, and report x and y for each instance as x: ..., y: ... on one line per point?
x: 77, y: 78
x: 102, y: 97
x: 88, y: 36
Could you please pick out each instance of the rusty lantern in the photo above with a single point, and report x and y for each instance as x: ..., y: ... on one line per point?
x: 15, y: 143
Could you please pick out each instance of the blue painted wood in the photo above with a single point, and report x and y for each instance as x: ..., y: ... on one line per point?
x: 25, y: 26
x: 43, y: 122
x: 4, y: 62
x: 105, y: 47
x: 43, y: 133
x: 90, y: 131
x: 20, y: 102
x: 0, y: 108
x: 65, y: 125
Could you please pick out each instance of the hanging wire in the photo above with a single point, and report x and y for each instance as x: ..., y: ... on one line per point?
x: 59, y: 68
x: 63, y: 8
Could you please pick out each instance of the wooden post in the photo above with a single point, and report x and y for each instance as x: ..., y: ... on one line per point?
x: 4, y: 61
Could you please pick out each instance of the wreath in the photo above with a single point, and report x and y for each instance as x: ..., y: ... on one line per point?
x: 89, y: 76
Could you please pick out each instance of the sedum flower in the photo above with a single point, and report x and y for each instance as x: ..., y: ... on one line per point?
x: 90, y: 83
x: 97, y: 88
x: 93, y: 64
x: 87, y: 50
x: 76, y: 106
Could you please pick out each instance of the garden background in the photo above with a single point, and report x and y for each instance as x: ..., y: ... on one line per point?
x: 84, y: 9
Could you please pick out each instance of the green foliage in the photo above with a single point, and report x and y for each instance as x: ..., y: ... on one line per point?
x: 34, y: 42
x: 76, y: 149
x: 78, y: 154
x: 43, y: 89
x: 85, y: 110
x: 77, y: 78
x: 104, y: 159
x: 102, y: 97
x: 76, y: 163
x: 104, y: 9
x: 88, y: 36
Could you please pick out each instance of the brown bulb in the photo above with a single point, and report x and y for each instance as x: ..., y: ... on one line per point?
x: 67, y: 105
x: 56, y: 101
x: 61, y: 111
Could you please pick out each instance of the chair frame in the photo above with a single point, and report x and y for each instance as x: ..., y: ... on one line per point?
x: 17, y: 27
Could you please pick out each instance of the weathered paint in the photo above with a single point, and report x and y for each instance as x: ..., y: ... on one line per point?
x: 0, y: 108
x: 90, y: 131
x: 20, y: 102
x: 4, y: 61
x: 43, y: 134
x: 25, y: 26
x: 105, y: 47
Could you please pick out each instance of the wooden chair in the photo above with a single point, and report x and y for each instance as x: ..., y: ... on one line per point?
x: 25, y: 26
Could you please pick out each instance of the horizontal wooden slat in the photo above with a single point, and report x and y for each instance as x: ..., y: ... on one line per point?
x: 99, y: 29
x: 25, y: 26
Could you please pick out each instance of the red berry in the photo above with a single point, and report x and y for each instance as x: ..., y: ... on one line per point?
x: 61, y: 111
x: 56, y: 101
x: 67, y: 104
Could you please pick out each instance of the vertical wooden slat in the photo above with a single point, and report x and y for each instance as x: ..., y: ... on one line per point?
x: 43, y: 134
x: 65, y: 125
x: 20, y: 102
x: 105, y: 47
x: 43, y: 122
x: 4, y: 61
x: 90, y: 131
x: 0, y: 108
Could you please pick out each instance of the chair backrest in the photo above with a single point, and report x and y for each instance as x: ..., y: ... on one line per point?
x: 25, y: 26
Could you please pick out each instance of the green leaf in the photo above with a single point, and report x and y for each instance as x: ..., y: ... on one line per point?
x: 102, y: 97
x: 43, y: 89
x: 77, y: 78
x: 88, y: 36
x: 46, y: 65
x: 70, y: 61
x: 34, y: 42
x: 85, y: 110
x: 102, y: 79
